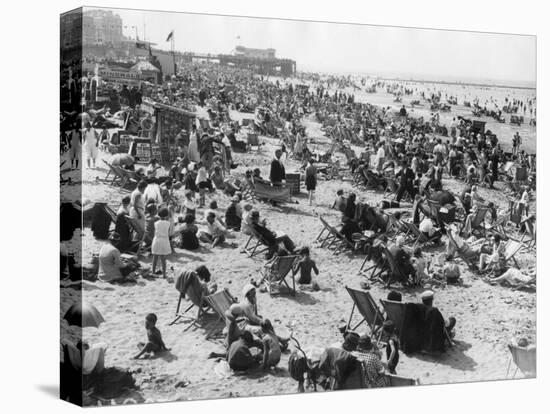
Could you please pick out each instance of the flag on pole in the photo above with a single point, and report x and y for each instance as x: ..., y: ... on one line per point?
x: 170, y: 35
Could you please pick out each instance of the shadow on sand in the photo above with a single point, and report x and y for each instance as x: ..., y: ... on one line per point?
x: 454, y: 357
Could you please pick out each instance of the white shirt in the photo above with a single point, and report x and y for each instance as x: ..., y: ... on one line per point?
x: 426, y: 226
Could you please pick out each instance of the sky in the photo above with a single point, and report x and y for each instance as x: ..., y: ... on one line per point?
x: 349, y: 48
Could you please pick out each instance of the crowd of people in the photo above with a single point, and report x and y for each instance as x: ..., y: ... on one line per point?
x: 176, y: 207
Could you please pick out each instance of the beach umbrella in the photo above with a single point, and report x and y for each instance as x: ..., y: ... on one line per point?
x: 83, y: 315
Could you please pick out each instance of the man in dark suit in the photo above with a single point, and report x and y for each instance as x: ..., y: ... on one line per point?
x: 277, y: 172
x: 406, y: 178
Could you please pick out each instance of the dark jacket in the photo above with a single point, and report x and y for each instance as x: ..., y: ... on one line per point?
x: 277, y: 173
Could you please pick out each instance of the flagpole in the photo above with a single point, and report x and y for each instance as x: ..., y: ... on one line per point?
x: 173, y: 53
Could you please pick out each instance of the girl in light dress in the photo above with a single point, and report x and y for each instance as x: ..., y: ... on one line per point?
x: 161, y: 242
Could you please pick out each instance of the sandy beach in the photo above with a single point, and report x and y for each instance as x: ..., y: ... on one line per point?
x: 489, y: 317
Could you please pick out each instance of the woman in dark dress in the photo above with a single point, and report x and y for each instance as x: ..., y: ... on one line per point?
x: 311, y: 180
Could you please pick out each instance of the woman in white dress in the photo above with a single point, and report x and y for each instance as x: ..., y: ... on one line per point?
x: 91, y: 144
x: 161, y: 242
x: 193, y: 150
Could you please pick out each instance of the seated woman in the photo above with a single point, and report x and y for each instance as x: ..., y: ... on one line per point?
x: 187, y: 231
x: 111, y: 267
x: 428, y: 229
x: 246, y: 223
x: 495, y: 261
x: 252, y: 322
x: 217, y: 178
x: 402, y: 259
x: 232, y: 218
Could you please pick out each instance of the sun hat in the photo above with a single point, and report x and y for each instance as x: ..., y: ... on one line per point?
x: 247, y: 288
x: 427, y: 294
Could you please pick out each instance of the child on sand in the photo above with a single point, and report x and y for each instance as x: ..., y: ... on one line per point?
x: 154, y: 338
x: 189, y: 203
x: 161, y: 242
x: 419, y: 263
x: 392, y: 348
x: 272, y: 348
x: 203, y: 184
x: 305, y: 266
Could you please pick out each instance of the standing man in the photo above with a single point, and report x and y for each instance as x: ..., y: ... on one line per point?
x: 406, y: 178
x: 277, y: 173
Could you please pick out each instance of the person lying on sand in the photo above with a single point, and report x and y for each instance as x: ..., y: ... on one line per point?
x: 154, y: 343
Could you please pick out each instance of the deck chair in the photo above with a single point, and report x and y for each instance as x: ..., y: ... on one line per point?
x: 512, y: 247
x: 395, y: 270
x: 397, y: 381
x: 369, y: 310
x: 255, y: 244
x: 417, y: 235
x: 471, y: 262
x: 220, y: 302
x: 185, y: 282
x: 274, y: 274
x: 265, y: 191
x: 117, y: 177
x: 478, y: 221
x: 530, y: 231
x: 391, y: 187
x: 339, y: 241
x: 395, y: 312
x: 524, y: 359
x: 325, y: 232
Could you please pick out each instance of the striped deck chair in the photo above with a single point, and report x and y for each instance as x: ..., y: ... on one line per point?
x: 415, y: 234
x: 524, y: 359
x: 275, y: 271
x: 115, y: 171
x: 220, y: 302
x: 398, y: 381
x: 369, y: 310
x: 461, y: 249
x: 265, y: 191
x: 512, y: 248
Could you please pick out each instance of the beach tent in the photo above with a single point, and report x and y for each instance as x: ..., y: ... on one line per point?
x: 168, y: 122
